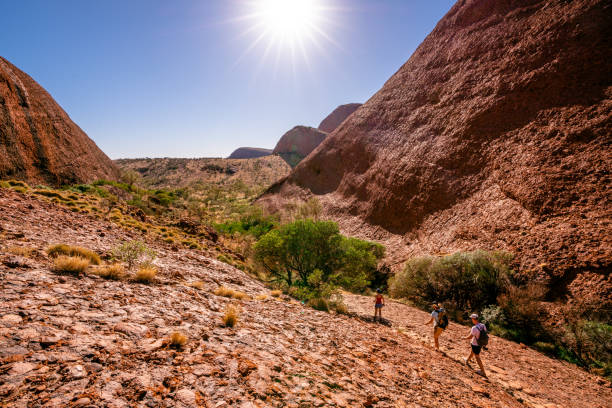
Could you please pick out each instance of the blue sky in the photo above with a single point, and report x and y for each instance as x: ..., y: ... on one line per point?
x: 159, y: 78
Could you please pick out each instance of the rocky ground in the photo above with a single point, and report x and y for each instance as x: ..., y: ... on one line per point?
x: 68, y: 341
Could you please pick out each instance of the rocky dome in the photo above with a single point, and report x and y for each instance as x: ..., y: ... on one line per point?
x: 38, y: 141
x: 249, y: 153
x: 495, y: 134
x: 334, y: 119
x: 298, y: 143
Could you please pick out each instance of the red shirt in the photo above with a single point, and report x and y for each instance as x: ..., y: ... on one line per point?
x: 379, y: 299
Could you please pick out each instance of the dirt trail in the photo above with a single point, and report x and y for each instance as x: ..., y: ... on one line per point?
x: 528, y: 375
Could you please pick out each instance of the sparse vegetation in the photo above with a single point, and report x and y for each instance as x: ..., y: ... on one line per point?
x: 63, y: 249
x: 21, y: 251
x: 134, y: 253
x: 145, y: 274
x: 230, y: 317
x: 230, y: 293
x: 70, y: 265
x: 197, y: 285
x: 177, y: 340
x: 276, y: 293
x: 111, y: 272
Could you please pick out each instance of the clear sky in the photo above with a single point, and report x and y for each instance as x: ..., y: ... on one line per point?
x: 188, y: 78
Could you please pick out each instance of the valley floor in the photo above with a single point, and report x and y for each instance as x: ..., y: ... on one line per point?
x: 67, y: 341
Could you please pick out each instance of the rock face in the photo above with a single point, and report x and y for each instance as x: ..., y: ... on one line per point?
x: 249, y: 153
x: 495, y: 134
x: 339, y: 115
x: 298, y: 143
x: 38, y: 141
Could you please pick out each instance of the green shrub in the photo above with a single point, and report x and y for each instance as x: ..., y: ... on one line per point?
x: 464, y: 280
x: 4, y: 184
x: 312, y: 258
x: 134, y: 253
x: 18, y: 183
x: 253, y: 222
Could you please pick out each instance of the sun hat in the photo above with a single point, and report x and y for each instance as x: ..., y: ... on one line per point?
x: 378, y: 290
x: 473, y: 316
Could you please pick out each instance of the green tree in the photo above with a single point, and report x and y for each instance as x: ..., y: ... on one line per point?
x: 315, y: 257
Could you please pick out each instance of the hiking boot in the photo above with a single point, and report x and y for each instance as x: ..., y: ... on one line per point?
x: 466, y: 362
x: 480, y: 373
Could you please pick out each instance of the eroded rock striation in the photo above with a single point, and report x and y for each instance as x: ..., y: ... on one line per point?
x: 249, y: 153
x: 495, y: 134
x: 39, y: 143
x: 339, y: 115
x: 297, y: 143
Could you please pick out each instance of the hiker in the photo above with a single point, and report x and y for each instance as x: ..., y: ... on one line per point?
x: 380, y: 303
x: 440, y: 322
x: 479, y: 338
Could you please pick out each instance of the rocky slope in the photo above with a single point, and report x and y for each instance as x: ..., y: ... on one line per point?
x: 339, y: 115
x: 67, y: 341
x: 249, y: 153
x: 38, y: 141
x: 495, y: 134
x: 297, y: 143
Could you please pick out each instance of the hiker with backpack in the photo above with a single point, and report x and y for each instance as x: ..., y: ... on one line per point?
x: 440, y: 322
x: 479, y: 338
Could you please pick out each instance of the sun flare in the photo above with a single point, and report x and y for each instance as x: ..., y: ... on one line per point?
x: 288, y: 27
x: 289, y: 20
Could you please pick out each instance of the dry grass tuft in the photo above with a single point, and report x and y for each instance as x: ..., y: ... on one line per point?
x: 70, y: 265
x: 112, y: 272
x: 22, y: 251
x: 230, y: 317
x: 177, y: 340
x: 63, y: 249
x: 145, y: 274
x: 262, y: 297
x: 231, y: 293
x: 197, y: 285
x: 276, y: 293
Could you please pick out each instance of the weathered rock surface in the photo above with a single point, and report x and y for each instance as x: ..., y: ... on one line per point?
x: 39, y: 143
x: 67, y: 341
x: 297, y: 143
x: 495, y: 134
x: 249, y: 153
x: 339, y: 115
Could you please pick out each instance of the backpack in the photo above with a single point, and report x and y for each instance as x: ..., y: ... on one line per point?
x: 442, y: 319
x: 483, y: 338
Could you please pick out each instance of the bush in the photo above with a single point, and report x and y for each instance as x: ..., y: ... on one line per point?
x: 464, y: 280
x: 253, y: 222
x: 63, y: 249
x: 111, y: 272
x: 134, y: 253
x: 276, y: 293
x: 145, y: 274
x: 230, y: 293
x: 319, y: 303
x: 230, y: 317
x: 4, y: 184
x: 70, y: 265
x: 178, y: 340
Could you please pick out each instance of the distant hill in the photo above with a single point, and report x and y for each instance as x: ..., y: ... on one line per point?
x: 174, y: 173
x: 297, y: 143
x: 249, y: 153
x: 339, y: 115
x: 39, y: 143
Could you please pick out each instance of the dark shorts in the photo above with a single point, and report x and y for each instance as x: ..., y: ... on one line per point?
x: 476, y: 349
x: 378, y: 305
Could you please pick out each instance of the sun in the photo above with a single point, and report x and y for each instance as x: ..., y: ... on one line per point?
x: 289, y: 28
x: 289, y: 20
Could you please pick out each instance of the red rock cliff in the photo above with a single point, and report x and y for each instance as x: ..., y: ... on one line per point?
x: 495, y: 134
x: 38, y: 141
